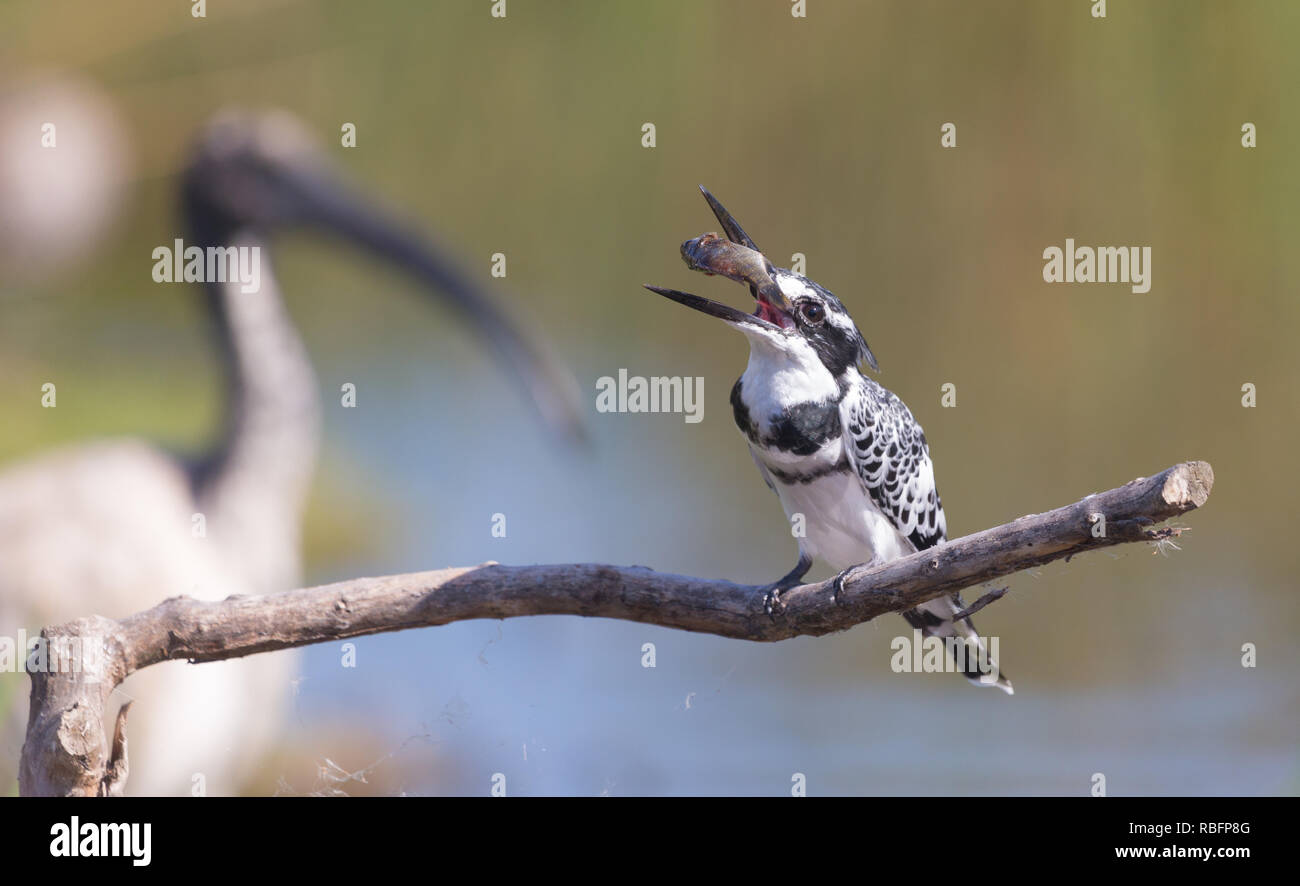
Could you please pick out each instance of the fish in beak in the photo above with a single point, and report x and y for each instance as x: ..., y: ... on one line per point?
x: 736, y: 258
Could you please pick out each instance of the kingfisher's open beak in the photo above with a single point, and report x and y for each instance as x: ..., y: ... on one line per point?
x: 735, y: 258
x: 735, y: 233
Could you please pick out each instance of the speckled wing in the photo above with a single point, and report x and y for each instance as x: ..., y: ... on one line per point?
x: 887, y: 449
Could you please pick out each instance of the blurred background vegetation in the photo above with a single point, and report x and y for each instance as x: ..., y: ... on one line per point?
x: 523, y: 136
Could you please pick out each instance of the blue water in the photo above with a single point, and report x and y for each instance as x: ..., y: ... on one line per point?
x: 562, y: 705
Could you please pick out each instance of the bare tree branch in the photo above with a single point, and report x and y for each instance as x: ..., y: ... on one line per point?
x: 66, y: 752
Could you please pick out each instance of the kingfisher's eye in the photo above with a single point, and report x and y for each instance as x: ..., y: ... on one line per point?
x: 812, y: 312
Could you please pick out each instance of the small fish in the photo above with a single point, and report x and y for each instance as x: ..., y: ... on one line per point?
x: 713, y: 254
x: 735, y: 261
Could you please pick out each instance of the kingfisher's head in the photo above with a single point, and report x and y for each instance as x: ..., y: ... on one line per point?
x: 794, y: 317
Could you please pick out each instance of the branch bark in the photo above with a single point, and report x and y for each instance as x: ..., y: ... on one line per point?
x: 66, y: 751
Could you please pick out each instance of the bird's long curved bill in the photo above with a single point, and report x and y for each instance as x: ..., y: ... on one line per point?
x: 551, y: 387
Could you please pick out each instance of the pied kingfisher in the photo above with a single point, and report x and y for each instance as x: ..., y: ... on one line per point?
x: 834, y: 445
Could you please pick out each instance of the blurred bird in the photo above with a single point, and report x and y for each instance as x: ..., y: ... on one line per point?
x: 833, y: 444
x: 110, y: 528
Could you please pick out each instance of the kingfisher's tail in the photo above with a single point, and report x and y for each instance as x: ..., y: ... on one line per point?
x: 934, y: 618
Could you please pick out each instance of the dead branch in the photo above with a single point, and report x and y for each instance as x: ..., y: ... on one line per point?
x: 66, y: 752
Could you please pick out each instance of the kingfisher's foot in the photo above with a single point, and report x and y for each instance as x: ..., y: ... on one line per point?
x: 772, y: 600
x: 837, y: 584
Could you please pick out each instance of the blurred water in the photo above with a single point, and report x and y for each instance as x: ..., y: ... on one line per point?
x: 563, y: 705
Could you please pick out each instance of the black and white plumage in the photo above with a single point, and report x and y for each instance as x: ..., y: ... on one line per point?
x: 891, y: 456
x: 836, y: 447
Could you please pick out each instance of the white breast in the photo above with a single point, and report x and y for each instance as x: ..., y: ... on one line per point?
x: 780, y: 376
x: 843, y: 526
